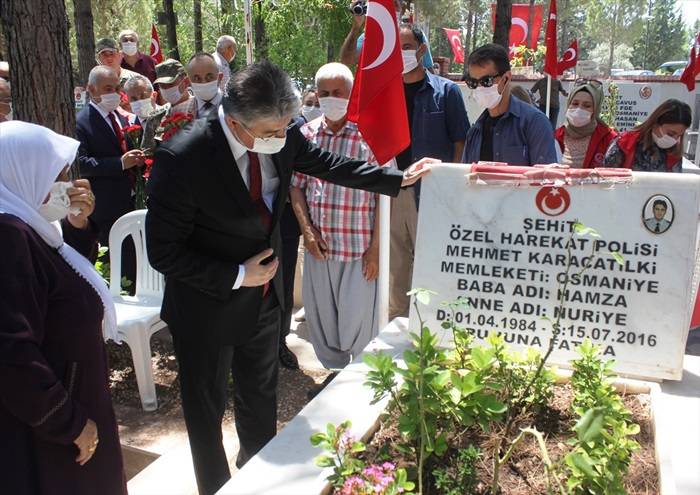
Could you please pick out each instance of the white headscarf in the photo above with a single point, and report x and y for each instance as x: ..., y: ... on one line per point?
x: 31, y: 157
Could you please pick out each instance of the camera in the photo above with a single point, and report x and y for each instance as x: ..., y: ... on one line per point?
x: 359, y: 8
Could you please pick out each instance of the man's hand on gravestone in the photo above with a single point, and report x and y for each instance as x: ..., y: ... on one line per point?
x: 314, y: 243
x: 416, y: 171
x: 258, y: 273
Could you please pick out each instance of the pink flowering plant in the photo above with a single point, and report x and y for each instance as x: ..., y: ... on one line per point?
x: 351, y: 475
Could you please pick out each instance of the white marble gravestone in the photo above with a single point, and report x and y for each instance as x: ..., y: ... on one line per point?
x: 502, y: 244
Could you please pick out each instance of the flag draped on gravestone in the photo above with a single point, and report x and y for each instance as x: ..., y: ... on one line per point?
x: 377, y: 103
x: 569, y: 58
x: 455, y: 38
x: 156, y: 52
x: 551, y: 58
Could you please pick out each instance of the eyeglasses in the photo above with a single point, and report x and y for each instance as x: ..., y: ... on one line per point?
x: 593, y: 82
x: 277, y: 134
x: 486, y: 81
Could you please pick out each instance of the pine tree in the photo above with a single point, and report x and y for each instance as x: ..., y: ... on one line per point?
x: 664, y: 37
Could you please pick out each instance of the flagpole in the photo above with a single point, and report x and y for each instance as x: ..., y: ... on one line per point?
x: 549, y: 92
x: 383, y: 279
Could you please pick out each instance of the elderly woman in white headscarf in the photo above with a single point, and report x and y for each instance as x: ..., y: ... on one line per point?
x: 57, y: 426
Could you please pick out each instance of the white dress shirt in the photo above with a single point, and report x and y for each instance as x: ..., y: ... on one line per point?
x: 270, y: 179
x: 105, y: 116
x: 223, y: 67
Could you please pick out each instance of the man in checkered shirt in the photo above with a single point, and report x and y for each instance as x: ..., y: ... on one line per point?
x: 341, y: 233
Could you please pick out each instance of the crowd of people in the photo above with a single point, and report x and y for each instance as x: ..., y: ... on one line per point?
x: 243, y: 166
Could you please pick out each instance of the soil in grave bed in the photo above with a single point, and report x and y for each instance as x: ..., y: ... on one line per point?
x: 525, y: 474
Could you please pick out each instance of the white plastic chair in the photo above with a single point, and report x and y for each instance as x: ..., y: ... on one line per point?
x: 138, y: 316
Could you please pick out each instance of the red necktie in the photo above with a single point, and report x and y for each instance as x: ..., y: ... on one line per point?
x: 118, y: 131
x: 255, y: 190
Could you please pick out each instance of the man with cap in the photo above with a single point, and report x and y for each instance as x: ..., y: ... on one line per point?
x: 107, y: 53
x: 132, y: 58
x: 173, y: 82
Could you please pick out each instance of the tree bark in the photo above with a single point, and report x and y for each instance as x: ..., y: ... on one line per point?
x: 198, y: 45
x: 227, y: 15
x: 501, y: 34
x: 40, y: 63
x: 171, y: 29
x: 259, y: 31
x: 475, y: 34
x: 85, y: 38
x: 530, y: 19
x: 616, y: 12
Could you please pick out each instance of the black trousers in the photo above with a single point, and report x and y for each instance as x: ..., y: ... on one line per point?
x: 204, y: 368
x: 289, y: 228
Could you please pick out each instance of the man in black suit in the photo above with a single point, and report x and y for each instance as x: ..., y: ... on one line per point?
x: 104, y: 158
x: 216, y: 194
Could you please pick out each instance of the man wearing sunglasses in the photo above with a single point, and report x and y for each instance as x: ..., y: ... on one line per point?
x: 509, y: 130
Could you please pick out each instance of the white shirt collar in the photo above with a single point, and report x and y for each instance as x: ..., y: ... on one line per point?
x: 237, y: 148
x: 214, y: 101
x: 97, y: 107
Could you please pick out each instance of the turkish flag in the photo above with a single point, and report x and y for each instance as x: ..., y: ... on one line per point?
x: 697, y: 55
x: 569, y: 58
x: 377, y: 103
x: 550, y: 39
x: 688, y: 76
x: 520, y: 13
x: 455, y: 37
x: 155, y: 45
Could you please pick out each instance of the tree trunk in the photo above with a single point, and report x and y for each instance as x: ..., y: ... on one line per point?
x: 227, y: 15
x: 530, y: 19
x: 563, y: 15
x: 85, y: 38
x: 40, y: 64
x: 259, y: 31
x: 501, y: 34
x: 475, y: 35
x: 616, y: 11
x: 171, y: 29
x: 198, y: 45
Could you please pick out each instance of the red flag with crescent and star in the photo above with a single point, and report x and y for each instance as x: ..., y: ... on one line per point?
x: 455, y: 38
x: 693, y: 68
x: 550, y: 39
x: 377, y: 103
x: 155, y: 45
x: 569, y: 58
x: 519, y: 31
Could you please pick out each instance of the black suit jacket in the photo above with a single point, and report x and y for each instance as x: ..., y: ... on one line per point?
x: 99, y: 156
x: 201, y: 224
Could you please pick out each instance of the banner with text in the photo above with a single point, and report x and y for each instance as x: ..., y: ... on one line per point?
x: 505, y: 246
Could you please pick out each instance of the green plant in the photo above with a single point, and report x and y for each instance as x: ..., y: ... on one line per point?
x: 102, y: 267
x: 460, y: 479
x: 609, y: 112
x: 602, y: 449
x: 352, y: 475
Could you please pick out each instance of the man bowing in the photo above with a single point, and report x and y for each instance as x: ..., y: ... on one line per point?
x: 216, y: 194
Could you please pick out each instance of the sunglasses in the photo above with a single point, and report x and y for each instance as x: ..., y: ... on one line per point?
x: 485, y: 82
x: 593, y: 82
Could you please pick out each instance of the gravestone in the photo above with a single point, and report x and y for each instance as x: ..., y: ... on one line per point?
x: 501, y: 240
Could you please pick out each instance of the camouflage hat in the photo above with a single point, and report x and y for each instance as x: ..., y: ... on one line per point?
x: 106, y: 44
x: 168, y: 70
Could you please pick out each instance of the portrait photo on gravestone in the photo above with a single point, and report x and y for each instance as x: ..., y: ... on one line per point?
x: 527, y: 252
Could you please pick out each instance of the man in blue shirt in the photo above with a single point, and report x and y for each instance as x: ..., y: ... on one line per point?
x: 438, y: 124
x: 509, y: 130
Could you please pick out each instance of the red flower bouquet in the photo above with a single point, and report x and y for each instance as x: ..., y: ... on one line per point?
x: 174, y: 123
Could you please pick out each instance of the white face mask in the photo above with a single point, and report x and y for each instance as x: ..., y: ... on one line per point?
x: 129, y: 48
x: 578, y: 117
x: 410, y: 61
x: 142, y: 108
x: 58, y: 205
x: 268, y: 146
x: 333, y: 108
x: 205, y: 91
x: 665, y: 141
x: 109, y: 102
x: 487, y: 97
x: 311, y: 112
x: 171, y: 95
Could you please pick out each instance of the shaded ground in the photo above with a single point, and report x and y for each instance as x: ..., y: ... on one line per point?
x: 163, y: 429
